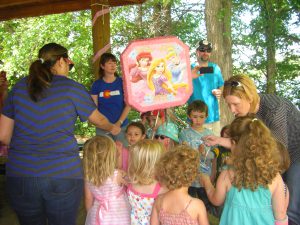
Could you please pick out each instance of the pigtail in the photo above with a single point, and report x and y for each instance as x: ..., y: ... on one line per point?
x: 40, y: 78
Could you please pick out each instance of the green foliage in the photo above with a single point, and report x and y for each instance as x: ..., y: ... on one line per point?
x: 21, y: 39
x: 251, y: 35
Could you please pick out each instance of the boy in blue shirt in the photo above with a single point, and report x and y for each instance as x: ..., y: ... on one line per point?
x: 197, y: 112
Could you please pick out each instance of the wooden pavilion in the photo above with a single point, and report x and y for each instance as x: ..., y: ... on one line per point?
x: 16, y: 9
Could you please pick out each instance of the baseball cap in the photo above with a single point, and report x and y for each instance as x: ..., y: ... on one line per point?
x: 204, y: 45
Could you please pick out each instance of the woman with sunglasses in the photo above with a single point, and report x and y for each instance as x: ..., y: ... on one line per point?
x: 44, y: 173
x: 280, y: 116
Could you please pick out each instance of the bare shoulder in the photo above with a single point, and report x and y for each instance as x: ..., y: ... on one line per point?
x: 277, y: 180
x: 197, y: 209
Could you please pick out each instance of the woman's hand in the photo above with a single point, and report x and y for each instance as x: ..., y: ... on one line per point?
x: 211, y: 140
x: 115, y: 129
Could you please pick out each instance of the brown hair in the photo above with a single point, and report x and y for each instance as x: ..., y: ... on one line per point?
x: 138, y: 125
x: 198, y: 106
x: 254, y: 153
x: 40, y: 75
x: 105, y: 57
x: 178, y: 168
x: 99, y: 159
x: 246, y: 91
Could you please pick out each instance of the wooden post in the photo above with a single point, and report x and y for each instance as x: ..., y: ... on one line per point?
x: 100, y: 31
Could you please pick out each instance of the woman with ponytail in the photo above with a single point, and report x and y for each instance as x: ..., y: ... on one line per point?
x: 44, y: 172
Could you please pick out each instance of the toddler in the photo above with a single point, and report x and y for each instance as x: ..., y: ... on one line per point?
x: 106, y: 201
x: 177, y: 169
x: 143, y: 188
x: 134, y: 132
x: 253, y: 189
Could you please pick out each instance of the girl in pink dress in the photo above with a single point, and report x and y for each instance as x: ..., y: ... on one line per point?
x: 134, y: 132
x: 177, y: 169
x: 143, y: 188
x: 106, y: 201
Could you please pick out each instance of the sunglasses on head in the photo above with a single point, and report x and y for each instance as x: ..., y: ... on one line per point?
x: 162, y: 137
x: 233, y: 83
x: 208, y: 50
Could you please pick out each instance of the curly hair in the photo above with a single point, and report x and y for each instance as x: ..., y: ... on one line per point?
x: 253, y: 153
x: 142, y: 159
x: 178, y: 167
x: 99, y: 159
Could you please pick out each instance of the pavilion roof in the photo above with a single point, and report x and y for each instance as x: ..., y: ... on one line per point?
x: 14, y: 9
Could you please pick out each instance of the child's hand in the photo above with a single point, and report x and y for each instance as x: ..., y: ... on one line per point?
x: 201, y: 149
x: 122, y: 178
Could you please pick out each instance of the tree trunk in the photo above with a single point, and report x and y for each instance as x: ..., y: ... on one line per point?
x: 269, y: 15
x: 218, y: 26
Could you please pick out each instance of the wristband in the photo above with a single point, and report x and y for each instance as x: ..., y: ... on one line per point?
x: 121, y: 122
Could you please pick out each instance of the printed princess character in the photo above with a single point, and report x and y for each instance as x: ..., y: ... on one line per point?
x: 159, y: 78
x: 139, y: 71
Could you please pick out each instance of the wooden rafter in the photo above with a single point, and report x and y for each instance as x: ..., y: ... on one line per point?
x: 14, y: 9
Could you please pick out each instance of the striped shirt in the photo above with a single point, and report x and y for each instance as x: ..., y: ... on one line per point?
x: 283, y: 119
x: 43, y: 142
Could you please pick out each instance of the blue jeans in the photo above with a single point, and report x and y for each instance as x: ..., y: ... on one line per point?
x: 293, y: 183
x: 41, y: 201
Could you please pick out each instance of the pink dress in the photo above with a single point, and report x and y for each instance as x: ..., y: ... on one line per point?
x: 110, y: 206
x: 182, y: 218
x: 141, y: 205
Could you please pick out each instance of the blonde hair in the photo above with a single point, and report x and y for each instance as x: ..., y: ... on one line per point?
x: 99, y: 159
x: 254, y: 154
x: 178, y: 168
x: 246, y: 92
x: 142, y: 159
x: 167, y: 73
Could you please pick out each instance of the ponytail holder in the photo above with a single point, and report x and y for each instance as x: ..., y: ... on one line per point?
x: 41, y: 60
x: 254, y: 119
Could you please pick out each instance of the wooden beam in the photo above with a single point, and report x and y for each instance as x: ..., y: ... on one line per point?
x: 100, y: 32
x: 29, y: 10
x: 14, y: 9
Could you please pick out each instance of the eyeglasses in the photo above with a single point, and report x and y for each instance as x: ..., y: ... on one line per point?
x: 162, y: 137
x: 233, y: 83
x: 208, y: 50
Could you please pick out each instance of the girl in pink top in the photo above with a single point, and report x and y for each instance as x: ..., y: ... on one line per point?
x: 177, y: 169
x: 106, y: 201
x: 143, y: 188
x: 135, y: 132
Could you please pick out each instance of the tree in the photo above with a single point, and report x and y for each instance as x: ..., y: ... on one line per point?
x: 218, y: 25
x: 267, y: 35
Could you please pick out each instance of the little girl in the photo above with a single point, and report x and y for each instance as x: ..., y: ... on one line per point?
x: 143, y: 188
x: 134, y: 132
x: 167, y: 134
x: 177, y: 169
x: 253, y: 189
x: 106, y: 201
